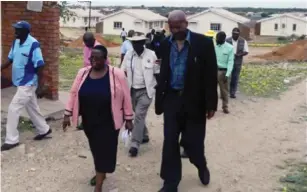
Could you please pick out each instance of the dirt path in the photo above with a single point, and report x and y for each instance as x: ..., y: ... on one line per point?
x: 244, y: 150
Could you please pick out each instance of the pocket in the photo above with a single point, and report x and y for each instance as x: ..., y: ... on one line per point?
x: 149, y: 65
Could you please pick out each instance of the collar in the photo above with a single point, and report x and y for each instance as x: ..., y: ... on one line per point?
x: 27, y: 41
x: 188, y: 37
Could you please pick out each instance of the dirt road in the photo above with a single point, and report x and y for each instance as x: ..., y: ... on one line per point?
x: 244, y: 150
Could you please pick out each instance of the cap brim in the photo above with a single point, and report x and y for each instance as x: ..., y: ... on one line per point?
x: 17, y: 26
x: 137, y: 39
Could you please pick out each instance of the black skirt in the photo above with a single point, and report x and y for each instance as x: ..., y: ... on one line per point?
x: 98, y: 124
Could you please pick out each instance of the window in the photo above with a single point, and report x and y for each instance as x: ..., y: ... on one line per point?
x: 74, y: 19
x: 97, y: 19
x: 276, y: 26
x: 294, y: 27
x: 156, y: 24
x: 161, y: 24
x: 85, y: 20
x: 215, y: 26
x: 68, y: 19
x: 117, y: 25
x: 283, y: 25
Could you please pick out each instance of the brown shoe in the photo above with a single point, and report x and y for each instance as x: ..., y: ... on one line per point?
x: 226, y: 111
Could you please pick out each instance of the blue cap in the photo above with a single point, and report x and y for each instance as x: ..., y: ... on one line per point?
x: 22, y: 25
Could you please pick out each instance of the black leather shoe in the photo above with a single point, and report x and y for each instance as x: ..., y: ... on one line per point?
x: 233, y: 96
x: 42, y: 136
x: 184, y: 154
x: 6, y: 147
x: 133, y: 152
x: 204, y: 175
x: 146, y: 140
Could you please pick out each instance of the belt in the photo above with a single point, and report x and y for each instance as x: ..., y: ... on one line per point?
x: 134, y: 89
x: 222, y: 69
x: 176, y: 91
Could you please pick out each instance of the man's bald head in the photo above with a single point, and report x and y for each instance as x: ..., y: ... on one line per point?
x: 178, y: 24
x: 89, y: 39
x: 177, y: 15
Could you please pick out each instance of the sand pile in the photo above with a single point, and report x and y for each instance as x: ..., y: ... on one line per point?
x: 78, y: 43
x: 296, y: 51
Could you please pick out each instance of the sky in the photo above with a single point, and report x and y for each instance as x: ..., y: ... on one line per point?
x: 208, y: 3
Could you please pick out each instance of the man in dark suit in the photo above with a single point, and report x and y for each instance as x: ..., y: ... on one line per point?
x: 186, y: 94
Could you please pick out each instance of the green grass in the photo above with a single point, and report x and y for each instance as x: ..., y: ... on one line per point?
x: 25, y: 124
x: 70, y: 63
x: 69, y: 66
x: 268, y: 80
x: 296, y: 178
x: 113, y: 38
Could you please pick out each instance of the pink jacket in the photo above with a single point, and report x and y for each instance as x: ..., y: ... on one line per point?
x: 120, y: 95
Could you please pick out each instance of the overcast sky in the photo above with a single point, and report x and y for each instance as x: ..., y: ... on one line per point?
x: 209, y: 3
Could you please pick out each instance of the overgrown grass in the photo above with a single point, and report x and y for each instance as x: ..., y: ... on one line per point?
x: 296, y: 179
x: 269, y: 80
x: 113, y: 38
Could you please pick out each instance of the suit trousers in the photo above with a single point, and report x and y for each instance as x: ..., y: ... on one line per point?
x: 192, y: 132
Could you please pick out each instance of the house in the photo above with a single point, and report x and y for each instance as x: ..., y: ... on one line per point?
x: 44, y: 27
x: 282, y: 25
x: 80, y: 18
x: 140, y: 20
x: 218, y: 19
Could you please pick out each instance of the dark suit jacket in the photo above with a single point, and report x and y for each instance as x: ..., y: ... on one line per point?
x: 200, y: 90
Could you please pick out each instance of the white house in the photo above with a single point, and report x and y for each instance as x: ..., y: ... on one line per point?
x: 140, y: 20
x: 282, y: 25
x: 218, y: 19
x: 81, y: 18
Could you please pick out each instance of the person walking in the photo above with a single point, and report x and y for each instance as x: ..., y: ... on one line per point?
x: 240, y: 48
x: 186, y: 94
x: 225, y: 60
x: 123, y: 35
x: 141, y: 69
x: 89, y: 42
x: 27, y: 73
x: 100, y: 94
x: 126, y: 46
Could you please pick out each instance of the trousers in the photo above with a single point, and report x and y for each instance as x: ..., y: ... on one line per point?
x: 223, y: 88
x: 140, y: 103
x: 25, y: 97
x: 192, y: 140
x: 235, y: 78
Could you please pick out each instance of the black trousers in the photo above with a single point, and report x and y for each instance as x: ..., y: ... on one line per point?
x: 192, y: 140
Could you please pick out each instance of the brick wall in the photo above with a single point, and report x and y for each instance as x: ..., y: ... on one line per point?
x: 45, y: 28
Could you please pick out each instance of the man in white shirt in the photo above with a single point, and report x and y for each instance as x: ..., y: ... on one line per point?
x: 140, y: 65
x: 240, y: 47
x: 123, y: 35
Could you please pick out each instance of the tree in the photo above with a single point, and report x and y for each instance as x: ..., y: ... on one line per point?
x: 65, y: 13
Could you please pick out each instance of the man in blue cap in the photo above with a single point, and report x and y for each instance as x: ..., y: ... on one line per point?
x: 27, y: 65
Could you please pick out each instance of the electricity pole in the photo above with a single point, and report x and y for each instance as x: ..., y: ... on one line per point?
x: 89, y: 13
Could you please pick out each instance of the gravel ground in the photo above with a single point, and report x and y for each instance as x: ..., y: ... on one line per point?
x: 244, y: 150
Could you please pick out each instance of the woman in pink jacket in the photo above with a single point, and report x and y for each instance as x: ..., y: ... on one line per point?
x: 100, y: 94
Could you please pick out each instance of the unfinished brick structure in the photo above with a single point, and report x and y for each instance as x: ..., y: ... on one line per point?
x: 45, y: 28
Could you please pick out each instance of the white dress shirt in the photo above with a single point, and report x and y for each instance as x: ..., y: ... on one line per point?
x: 141, y: 70
x: 235, y: 44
